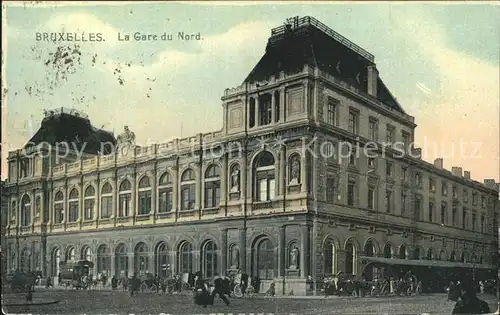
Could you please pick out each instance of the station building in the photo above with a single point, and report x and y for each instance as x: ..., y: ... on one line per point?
x: 275, y: 192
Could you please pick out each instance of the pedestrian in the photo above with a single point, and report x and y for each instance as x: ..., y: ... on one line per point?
x: 469, y: 303
x: 219, y: 289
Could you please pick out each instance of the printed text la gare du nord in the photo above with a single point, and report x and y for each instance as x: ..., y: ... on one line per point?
x: 98, y: 37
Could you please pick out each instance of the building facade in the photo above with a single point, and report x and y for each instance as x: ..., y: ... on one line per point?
x: 286, y: 190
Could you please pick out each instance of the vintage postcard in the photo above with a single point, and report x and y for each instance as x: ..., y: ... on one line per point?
x: 250, y: 158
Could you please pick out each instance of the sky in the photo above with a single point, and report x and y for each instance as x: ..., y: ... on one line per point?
x: 440, y: 61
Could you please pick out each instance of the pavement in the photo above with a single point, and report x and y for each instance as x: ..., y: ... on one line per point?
x: 119, y: 302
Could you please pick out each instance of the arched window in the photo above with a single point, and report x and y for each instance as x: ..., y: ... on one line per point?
x: 402, y: 252
x: 125, y: 199
x: 265, y: 259
x: 329, y: 252
x: 26, y: 260
x: 264, y: 181
x: 416, y: 253
x: 56, y: 260
x: 86, y: 254
x: 144, y: 196
x: 349, y: 259
x: 103, y: 260
x: 141, y: 259
x: 294, y: 169
x: 235, y: 178
x: 162, y: 268
x: 212, y: 187
x: 73, y: 203
x: 185, y: 257
x: 26, y: 211
x: 453, y: 256
x: 369, y: 249
x: 70, y: 254
x: 59, y: 207
x: 188, y: 190
x: 106, y: 201
x: 293, y: 255
x: 387, y: 251
x: 209, y: 263
x: 89, y: 203
x: 165, y: 193
x: 430, y: 254
x: 121, y: 261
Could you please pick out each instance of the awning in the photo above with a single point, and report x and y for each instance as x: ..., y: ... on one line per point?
x: 426, y: 263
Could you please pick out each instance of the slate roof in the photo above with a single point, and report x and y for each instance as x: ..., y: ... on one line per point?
x: 72, y: 129
x: 309, y: 42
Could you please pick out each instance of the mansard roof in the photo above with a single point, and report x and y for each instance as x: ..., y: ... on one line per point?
x: 306, y: 41
x: 72, y: 127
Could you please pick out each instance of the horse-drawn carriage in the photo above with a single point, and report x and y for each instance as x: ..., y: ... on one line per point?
x: 76, y: 275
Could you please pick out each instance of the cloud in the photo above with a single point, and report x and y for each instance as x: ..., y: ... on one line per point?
x: 465, y: 107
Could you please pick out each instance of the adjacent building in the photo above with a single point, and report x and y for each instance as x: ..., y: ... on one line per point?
x: 285, y: 190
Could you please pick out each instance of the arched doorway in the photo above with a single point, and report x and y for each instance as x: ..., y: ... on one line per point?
x: 264, y: 263
x: 329, y: 254
x: 121, y: 261
x: 162, y: 267
x: 103, y: 260
x: 209, y: 260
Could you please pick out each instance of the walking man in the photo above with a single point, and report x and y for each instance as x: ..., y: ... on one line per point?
x: 219, y: 289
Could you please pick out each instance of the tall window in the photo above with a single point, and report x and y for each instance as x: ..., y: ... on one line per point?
x: 371, y: 198
x: 106, y: 201
x: 454, y: 216
x: 444, y: 188
x: 482, y: 223
x: 454, y: 192
x: 353, y: 122
x: 418, y: 208
x: 418, y: 180
x: 372, y: 129
x: 144, y: 196
x: 89, y: 203
x: 70, y: 254
x: 209, y: 263
x: 389, y: 135
x: 332, y: 106
x: 416, y: 253
x: 73, y: 205
x: 59, y: 207
x: 188, y: 189
x: 141, y: 259
x: 402, y: 252
x: 265, y: 260
x: 405, y: 138
x: 86, y: 254
x: 431, y: 211
x: 388, y: 201
x: 161, y: 258
x: 432, y: 184
x: 329, y: 255
x: 265, y: 109
x: 125, y: 199
x: 466, y: 195
x: 56, y: 260
x: 388, y: 168
x: 464, y: 218
x: 349, y: 258
x: 473, y: 222
x: 443, y: 212
x: 26, y: 211
x: 404, y: 203
x: 212, y: 187
x: 103, y: 260
x: 387, y: 251
x: 430, y: 254
x: 121, y: 261
x: 369, y: 249
x: 185, y: 258
x: 165, y: 193
x: 351, y: 193
x: 404, y: 173
x: 330, y: 189
x: 264, y: 177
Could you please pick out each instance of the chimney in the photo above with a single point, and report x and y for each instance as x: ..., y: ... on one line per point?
x: 372, y: 80
x: 467, y: 174
x: 457, y: 171
x: 438, y: 163
x: 417, y: 153
x: 490, y: 183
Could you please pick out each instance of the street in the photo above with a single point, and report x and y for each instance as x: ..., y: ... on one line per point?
x: 118, y: 302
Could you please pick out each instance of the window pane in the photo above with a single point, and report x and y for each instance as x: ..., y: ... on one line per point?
x: 263, y: 190
x: 271, y: 188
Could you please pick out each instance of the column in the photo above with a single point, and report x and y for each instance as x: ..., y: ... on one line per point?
x: 282, y: 104
x: 65, y: 209
x: 223, y: 253
x: 154, y: 189
x: 224, y: 180
x: 257, y: 110
x: 199, y: 184
x: 175, y: 188
x: 135, y: 203
x: 244, y: 173
x: 282, y: 175
x: 151, y: 262
x: 81, y: 207
x: 243, y: 250
x: 196, y: 261
x: 282, y: 252
x: 303, y: 171
x: 131, y: 265
x: 97, y: 206
x: 112, y: 262
x: 273, y: 109
x: 305, y: 84
x: 304, y: 249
